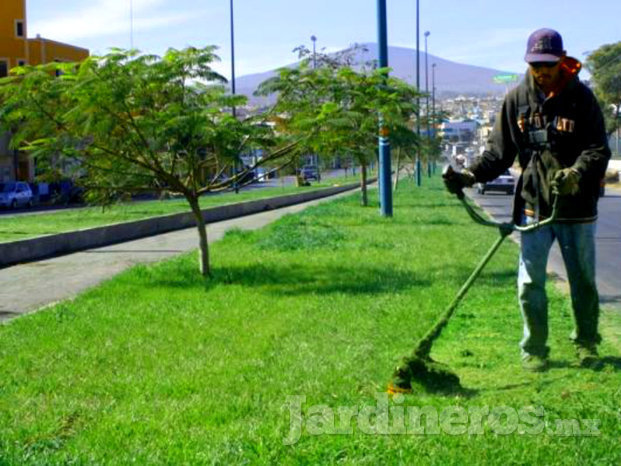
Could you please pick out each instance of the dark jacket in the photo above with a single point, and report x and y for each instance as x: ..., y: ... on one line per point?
x: 566, y: 129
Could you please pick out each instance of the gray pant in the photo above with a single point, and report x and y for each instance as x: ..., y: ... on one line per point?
x: 577, y: 243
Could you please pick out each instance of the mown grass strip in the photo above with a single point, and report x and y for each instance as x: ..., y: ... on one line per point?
x: 13, y: 228
x: 158, y: 365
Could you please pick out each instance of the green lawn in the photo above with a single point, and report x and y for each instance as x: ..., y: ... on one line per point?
x: 160, y: 366
x: 15, y: 228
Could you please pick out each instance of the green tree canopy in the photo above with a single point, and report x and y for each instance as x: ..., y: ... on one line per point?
x: 339, y: 109
x: 605, y: 67
x: 128, y: 123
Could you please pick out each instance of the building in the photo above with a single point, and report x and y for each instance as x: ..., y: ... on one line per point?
x: 15, y: 50
x: 459, y: 131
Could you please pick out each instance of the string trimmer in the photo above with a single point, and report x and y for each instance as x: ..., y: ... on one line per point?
x: 419, y: 367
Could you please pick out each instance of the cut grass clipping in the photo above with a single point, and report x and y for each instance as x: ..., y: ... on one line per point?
x: 159, y: 366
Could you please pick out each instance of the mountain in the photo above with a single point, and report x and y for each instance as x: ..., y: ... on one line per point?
x: 452, y: 79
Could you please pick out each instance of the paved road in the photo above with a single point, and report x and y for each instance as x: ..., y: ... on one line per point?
x: 271, y: 183
x: 608, y: 241
x: 28, y: 287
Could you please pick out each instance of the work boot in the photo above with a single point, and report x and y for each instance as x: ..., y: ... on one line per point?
x: 532, y: 363
x: 588, y: 357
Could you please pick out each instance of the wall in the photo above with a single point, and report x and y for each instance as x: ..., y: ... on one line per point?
x: 12, y: 47
x: 13, y: 50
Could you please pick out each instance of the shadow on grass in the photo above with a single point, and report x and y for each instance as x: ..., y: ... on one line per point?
x: 456, y: 391
x: 291, y: 280
x: 515, y: 386
x: 604, y: 362
x: 437, y: 220
x: 451, y: 204
x: 610, y: 299
x: 613, y: 361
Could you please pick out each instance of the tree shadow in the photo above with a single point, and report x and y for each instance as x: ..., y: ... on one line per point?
x: 295, y: 280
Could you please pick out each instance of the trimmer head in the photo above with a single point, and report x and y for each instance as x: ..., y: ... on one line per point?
x: 426, y: 373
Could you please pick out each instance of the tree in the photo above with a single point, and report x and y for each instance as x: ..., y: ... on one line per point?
x: 605, y: 67
x: 126, y: 123
x: 338, y: 109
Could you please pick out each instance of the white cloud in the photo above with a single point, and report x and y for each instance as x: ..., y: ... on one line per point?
x: 105, y: 18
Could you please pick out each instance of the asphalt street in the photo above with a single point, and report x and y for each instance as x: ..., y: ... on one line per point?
x: 271, y: 183
x: 608, y: 241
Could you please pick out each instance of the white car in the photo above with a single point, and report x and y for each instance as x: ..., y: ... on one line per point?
x: 15, y: 194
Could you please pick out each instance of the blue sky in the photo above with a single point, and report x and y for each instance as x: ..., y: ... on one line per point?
x: 489, y: 33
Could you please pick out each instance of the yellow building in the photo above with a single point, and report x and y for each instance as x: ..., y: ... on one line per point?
x: 16, y: 49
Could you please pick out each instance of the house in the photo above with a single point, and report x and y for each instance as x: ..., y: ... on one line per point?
x: 15, y: 50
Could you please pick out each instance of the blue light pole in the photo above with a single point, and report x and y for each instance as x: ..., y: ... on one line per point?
x: 418, y: 164
x: 314, y: 39
x: 427, y: 105
x: 433, y: 108
x: 385, y: 185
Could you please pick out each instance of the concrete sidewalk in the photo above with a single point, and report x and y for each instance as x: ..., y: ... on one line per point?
x: 28, y: 287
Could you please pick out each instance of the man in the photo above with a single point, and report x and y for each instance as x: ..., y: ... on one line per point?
x: 552, y: 123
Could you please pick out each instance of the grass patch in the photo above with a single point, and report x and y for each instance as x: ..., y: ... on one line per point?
x: 161, y: 366
x: 14, y: 228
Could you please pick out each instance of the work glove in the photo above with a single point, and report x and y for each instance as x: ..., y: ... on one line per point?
x: 566, y: 182
x: 455, y: 182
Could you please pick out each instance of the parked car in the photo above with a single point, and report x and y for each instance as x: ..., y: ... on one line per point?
x: 310, y: 172
x: 504, y: 183
x: 15, y: 194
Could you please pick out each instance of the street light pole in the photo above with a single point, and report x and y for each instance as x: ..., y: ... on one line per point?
x: 433, y: 106
x: 233, y: 56
x: 418, y: 163
x: 131, y: 24
x: 314, y: 39
x: 385, y: 185
x: 427, y: 105
x: 233, y: 90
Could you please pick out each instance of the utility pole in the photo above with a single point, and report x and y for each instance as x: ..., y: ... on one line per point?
x: 384, y: 142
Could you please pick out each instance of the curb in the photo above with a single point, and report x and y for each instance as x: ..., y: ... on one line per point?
x: 34, y: 249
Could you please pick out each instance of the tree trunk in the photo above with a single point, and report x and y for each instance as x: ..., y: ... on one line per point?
x: 398, y: 168
x: 203, y: 245
x: 363, y: 184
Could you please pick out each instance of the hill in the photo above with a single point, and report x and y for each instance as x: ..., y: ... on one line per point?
x: 452, y: 79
